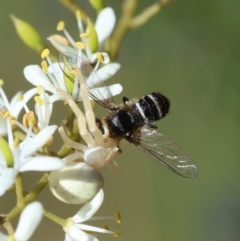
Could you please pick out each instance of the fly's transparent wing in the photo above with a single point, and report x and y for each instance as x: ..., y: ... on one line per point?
x: 70, y: 63
x: 165, y: 151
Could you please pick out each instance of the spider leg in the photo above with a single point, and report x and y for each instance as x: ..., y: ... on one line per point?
x: 82, y: 125
x: 90, y: 117
x: 113, y: 167
x: 73, y: 157
x: 69, y: 142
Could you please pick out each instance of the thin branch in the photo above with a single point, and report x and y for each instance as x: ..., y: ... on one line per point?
x: 29, y: 198
x: 73, y: 7
x: 148, y: 13
x: 115, y: 41
x: 128, y: 22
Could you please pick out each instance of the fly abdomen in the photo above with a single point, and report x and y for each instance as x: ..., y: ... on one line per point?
x: 152, y: 107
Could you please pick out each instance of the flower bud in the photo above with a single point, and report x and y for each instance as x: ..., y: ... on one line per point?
x: 6, y: 152
x: 76, y: 183
x: 98, y: 5
x: 28, y: 34
x: 93, y: 38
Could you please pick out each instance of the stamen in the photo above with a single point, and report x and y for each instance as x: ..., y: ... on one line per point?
x: 44, y: 66
x: 1, y: 82
x: 60, y: 26
x: 78, y: 14
x: 38, y: 100
x: 116, y: 234
x: 29, y: 119
x: 80, y: 45
x: 117, y: 217
x: 59, y: 39
x: 106, y: 227
x: 85, y: 35
x: 20, y: 97
x: 39, y: 89
x: 79, y: 21
x: 6, y: 114
x: 13, y: 120
x: 103, y: 57
x: 100, y: 57
x: 45, y: 53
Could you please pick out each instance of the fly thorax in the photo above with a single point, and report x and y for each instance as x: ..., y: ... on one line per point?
x: 123, y: 122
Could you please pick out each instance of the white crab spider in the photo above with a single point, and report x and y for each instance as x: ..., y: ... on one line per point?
x: 100, y: 149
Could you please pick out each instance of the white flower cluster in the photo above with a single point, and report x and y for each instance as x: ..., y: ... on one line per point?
x: 25, y: 145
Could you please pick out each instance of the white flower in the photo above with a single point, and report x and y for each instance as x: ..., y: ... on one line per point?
x: 74, y: 227
x: 14, y: 107
x: 23, y: 158
x: 104, y: 26
x: 54, y: 79
x: 30, y: 218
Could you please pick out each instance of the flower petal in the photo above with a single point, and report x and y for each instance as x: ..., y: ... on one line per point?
x: 7, y: 179
x: 62, y: 47
x: 19, y: 105
x: 104, y: 24
x: 29, y: 220
x: 115, y: 89
x: 35, y: 143
x: 14, y: 100
x: 89, y: 209
x: 3, y: 126
x: 68, y: 238
x: 108, y: 71
x: 35, y: 75
x: 78, y: 235
x: 42, y: 163
x: 3, y: 237
x: 103, y: 93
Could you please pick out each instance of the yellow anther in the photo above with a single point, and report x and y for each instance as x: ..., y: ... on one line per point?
x: 29, y: 119
x: 60, y: 26
x: 85, y: 35
x: 80, y: 45
x: 117, y: 217
x: 100, y: 57
x: 45, y: 53
x: 20, y: 97
x: 116, y: 234
x: 103, y: 57
x: 38, y: 100
x: 44, y: 66
x: 6, y: 114
x: 78, y: 14
x: 13, y: 120
x: 59, y: 39
x: 1, y: 82
x: 39, y: 89
x: 106, y: 227
x: 2, y: 112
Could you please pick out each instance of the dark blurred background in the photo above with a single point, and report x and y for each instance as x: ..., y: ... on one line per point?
x: 189, y: 52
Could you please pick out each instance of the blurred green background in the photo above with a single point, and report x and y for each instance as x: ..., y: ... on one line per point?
x: 189, y: 52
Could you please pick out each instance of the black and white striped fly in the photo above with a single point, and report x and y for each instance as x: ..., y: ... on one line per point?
x: 134, y: 119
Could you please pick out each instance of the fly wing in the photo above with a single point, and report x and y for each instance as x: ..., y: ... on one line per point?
x: 165, y: 151
x: 70, y: 63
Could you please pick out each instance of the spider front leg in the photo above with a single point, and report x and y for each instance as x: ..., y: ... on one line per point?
x: 82, y: 124
x: 90, y: 116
